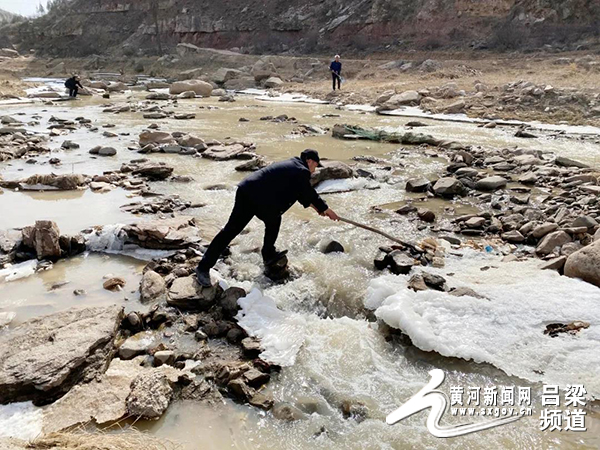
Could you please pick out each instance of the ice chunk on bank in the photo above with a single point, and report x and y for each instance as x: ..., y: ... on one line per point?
x: 20, y: 420
x: 508, y: 329
x: 17, y: 271
x: 281, y: 332
x: 345, y: 185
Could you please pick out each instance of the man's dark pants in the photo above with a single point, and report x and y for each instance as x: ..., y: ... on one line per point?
x: 73, y: 92
x: 242, y: 213
x: 335, y: 77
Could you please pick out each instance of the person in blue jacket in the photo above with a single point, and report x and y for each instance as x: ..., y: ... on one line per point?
x: 336, y: 71
x: 267, y: 194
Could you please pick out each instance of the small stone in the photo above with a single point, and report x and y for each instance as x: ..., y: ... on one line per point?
x: 256, y: 378
x: 114, y: 284
x: 164, y: 357
x: 475, y: 222
x: 426, y: 215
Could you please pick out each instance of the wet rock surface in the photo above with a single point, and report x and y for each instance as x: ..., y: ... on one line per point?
x: 43, y: 358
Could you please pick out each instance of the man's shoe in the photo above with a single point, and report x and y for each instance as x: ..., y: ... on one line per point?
x: 203, y: 277
x: 272, y: 259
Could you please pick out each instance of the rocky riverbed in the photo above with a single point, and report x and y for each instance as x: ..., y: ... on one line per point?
x: 110, y: 201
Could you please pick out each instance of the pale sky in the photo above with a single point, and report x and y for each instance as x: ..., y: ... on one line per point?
x: 23, y: 7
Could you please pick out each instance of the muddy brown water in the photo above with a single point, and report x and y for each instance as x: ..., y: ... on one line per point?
x: 344, y: 356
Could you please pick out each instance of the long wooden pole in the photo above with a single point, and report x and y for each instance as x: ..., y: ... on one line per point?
x: 375, y: 230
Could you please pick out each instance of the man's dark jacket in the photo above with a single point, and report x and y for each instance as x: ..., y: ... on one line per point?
x: 336, y: 67
x: 72, y: 83
x: 274, y: 189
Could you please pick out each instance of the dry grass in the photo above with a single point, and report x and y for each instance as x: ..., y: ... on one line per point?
x: 85, y: 440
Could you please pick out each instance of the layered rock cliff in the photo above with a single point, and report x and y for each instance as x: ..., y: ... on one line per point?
x: 82, y: 27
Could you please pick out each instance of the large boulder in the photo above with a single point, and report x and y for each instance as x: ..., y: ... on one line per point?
x: 152, y: 287
x: 223, y: 74
x: 186, y: 293
x: 331, y: 170
x: 585, y: 264
x: 41, y: 359
x: 44, y: 238
x: 261, y: 70
x: 405, y: 98
x: 273, y: 82
x: 106, y: 399
x: 198, y: 86
x: 448, y: 187
x: 101, y: 400
x: 239, y: 84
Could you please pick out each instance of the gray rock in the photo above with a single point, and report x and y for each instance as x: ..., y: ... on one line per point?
x: 490, y: 183
x: 273, y: 82
x: 464, y: 291
x: 287, y: 412
x: 448, y: 187
x: 417, y: 185
x: 229, y: 300
x: 44, y: 238
x: 551, y: 241
x: 513, y: 236
x: 585, y: 264
x: 41, y: 359
x: 69, y: 145
x: 152, y: 287
x: 150, y: 395
x: 567, y: 162
x: 528, y: 178
x: 543, y: 229
x: 186, y: 293
x: 399, y: 263
x: 584, y: 221
x: 164, y: 357
x: 107, y: 151
x: 138, y: 344
x: 331, y: 170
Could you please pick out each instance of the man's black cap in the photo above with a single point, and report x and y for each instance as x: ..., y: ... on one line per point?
x: 309, y: 153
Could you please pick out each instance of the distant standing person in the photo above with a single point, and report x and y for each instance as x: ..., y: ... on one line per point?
x: 73, y: 84
x: 336, y: 72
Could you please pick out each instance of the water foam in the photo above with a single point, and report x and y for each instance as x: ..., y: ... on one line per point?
x: 507, y: 328
x: 281, y: 332
x: 20, y: 420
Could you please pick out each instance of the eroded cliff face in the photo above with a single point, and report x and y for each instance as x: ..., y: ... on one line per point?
x: 81, y: 27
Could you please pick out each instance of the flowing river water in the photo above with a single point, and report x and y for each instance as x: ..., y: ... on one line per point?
x: 337, y: 353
